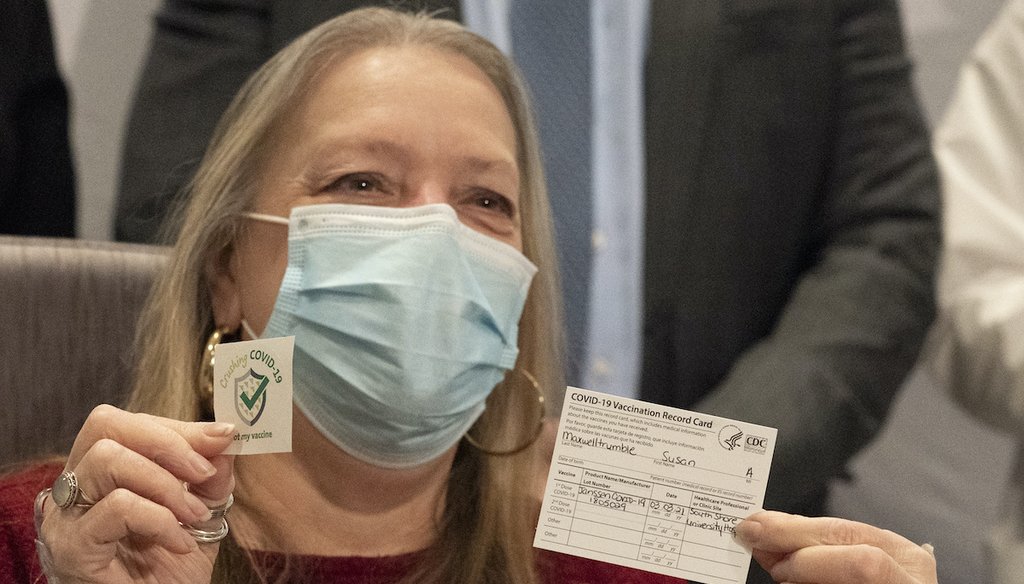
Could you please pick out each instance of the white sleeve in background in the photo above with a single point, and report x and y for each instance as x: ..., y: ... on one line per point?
x: 980, y: 150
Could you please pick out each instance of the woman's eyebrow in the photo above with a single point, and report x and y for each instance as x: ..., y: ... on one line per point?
x: 371, y: 146
x: 481, y: 164
x: 395, y: 150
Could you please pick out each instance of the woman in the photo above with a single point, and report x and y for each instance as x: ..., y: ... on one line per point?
x: 402, y: 149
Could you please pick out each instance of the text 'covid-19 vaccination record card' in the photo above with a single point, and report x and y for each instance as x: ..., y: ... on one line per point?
x: 252, y: 389
x: 653, y: 488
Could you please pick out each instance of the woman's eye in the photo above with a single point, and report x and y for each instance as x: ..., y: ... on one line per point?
x: 357, y: 183
x: 496, y: 203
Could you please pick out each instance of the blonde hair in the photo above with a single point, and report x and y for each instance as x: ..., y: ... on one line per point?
x: 485, y: 536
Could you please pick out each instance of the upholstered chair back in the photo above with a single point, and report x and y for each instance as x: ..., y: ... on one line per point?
x: 67, y: 322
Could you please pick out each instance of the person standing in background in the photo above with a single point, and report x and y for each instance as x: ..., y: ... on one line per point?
x: 37, y: 181
x: 791, y: 205
x: 979, y: 338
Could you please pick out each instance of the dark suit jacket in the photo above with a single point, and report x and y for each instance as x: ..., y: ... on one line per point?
x: 792, y: 204
x: 792, y: 223
x: 37, y: 183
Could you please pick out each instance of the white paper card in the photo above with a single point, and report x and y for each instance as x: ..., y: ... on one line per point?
x: 252, y: 389
x: 652, y: 487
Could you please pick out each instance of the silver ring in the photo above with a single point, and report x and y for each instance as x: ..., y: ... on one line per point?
x: 222, y: 510
x: 208, y: 535
x: 213, y: 535
x: 42, y: 552
x: 66, y: 493
x: 39, y: 506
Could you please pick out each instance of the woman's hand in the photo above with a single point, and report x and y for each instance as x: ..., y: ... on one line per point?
x: 134, y: 467
x: 827, y: 550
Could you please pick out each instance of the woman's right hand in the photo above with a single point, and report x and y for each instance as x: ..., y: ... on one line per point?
x: 135, y: 466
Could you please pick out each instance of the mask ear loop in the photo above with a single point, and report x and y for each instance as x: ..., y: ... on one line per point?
x: 248, y: 330
x: 204, y: 385
x: 540, y: 423
x: 265, y: 218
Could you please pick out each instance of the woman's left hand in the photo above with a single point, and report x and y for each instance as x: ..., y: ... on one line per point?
x: 827, y: 550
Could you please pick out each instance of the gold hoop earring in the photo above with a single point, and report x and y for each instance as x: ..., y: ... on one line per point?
x: 540, y: 423
x: 205, y: 380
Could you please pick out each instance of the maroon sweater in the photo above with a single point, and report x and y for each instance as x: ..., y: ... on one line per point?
x: 18, y: 562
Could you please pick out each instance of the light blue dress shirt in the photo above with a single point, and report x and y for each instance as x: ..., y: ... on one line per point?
x: 619, y: 36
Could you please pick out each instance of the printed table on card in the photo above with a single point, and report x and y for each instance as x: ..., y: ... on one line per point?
x: 653, y: 487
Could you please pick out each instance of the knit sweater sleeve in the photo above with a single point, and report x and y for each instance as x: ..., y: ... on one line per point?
x: 18, y: 561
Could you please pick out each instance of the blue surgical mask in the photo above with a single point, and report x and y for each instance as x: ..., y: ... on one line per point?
x: 404, y: 321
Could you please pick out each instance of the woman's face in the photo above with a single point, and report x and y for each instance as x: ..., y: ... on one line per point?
x: 396, y: 127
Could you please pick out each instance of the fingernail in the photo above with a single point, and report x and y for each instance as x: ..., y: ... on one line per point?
x: 748, y: 532
x: 199, y: 509
x: 200, y: 464
x: 218, y: 429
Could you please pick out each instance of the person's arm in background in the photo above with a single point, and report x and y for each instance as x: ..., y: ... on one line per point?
x: 979, y: 339
x: 37, y: 182
x: 200, y: 54
x: 853, y: 325
x: 980, y: 148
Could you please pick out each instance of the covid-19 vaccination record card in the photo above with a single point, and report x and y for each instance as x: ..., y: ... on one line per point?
x: 653, y: 487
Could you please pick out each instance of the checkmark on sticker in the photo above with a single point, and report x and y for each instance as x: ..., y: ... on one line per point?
x: 251, y: 396
x: 251, y: 401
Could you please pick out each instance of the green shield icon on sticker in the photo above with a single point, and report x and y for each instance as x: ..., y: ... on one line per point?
x: 251, y: 396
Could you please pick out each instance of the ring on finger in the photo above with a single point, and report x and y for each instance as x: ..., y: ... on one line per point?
x: 39, y: 507
x: 208, y: 535
x: 212, y: 535
x: 42, y: 552
x: 218, y: 511
x: 67, y: 493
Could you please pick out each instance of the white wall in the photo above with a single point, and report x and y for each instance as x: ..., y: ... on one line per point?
x: 100, y: 45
